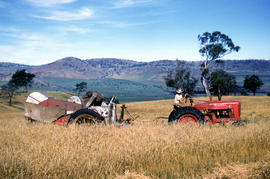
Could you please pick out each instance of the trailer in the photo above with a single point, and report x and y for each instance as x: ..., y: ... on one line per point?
x: 90, y: 109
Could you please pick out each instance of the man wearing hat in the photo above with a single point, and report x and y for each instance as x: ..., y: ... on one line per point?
x: 179, y: 99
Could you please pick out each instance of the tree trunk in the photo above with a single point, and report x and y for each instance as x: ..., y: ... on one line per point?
x: 205, y: 84
x: 204, y: 80
x: 219, y: 94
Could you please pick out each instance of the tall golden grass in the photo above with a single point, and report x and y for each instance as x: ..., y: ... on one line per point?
x: 142, y: 150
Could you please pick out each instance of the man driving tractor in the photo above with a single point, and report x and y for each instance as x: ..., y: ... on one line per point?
x: 179, y: 99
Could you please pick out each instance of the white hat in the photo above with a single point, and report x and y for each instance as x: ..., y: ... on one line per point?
x: 179, y: 90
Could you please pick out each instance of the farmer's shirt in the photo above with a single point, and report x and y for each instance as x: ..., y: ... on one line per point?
x: 177, y: 98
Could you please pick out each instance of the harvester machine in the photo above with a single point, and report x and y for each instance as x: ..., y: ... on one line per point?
x: 90, y: 109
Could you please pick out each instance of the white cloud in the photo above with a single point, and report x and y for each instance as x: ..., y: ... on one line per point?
x: 18, y: 34
x: 34, y: 52
x: 78, y: 30
x: 22, y: 36
x: 49, y: 3
x: 114, y: 24
x: 123, y: 24
x: 131, y: 3
x: 35, y: 48
x: 83, y: 13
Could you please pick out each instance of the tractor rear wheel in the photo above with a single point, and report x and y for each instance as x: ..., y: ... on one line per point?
x: 171, y: 117
x: 188, y: 114
x: 85, y: 116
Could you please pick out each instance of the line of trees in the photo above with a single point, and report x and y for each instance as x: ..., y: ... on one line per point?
x: 224, y: 83
x: 213, y: 46
x: 220, y: 82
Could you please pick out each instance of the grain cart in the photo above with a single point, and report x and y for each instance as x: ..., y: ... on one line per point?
x: 207, y: 111
x: 90, y: 109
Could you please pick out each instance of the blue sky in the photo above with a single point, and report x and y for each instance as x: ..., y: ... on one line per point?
x: 41, y: 31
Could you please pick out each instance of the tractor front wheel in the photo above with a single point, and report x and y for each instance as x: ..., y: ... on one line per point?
x: 85, y: 116
x: 188, y: 114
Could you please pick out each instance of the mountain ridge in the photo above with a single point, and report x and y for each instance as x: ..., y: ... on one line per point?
x: 72, y: 67
x: 150, y: 73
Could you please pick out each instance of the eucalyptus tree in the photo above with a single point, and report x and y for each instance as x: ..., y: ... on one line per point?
x: 213, y: 46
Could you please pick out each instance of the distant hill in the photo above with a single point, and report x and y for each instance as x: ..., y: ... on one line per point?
x: 50, y: 76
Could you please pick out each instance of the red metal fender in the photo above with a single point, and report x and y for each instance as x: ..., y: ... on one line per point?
x: 63, y: 120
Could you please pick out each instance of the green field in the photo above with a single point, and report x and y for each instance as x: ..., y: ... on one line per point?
x: 125, y: 90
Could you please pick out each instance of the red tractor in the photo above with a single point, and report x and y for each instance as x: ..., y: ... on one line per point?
x: 207, y: 112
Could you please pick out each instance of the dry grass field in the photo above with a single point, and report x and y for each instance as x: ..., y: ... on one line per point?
x: 144, y: 150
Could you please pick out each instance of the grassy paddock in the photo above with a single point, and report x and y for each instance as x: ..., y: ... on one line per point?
x: 145, y: 149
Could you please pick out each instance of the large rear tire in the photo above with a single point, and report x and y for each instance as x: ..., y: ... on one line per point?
x: 87, y: 116
x: 171, y: 117
x: 187, y: 114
